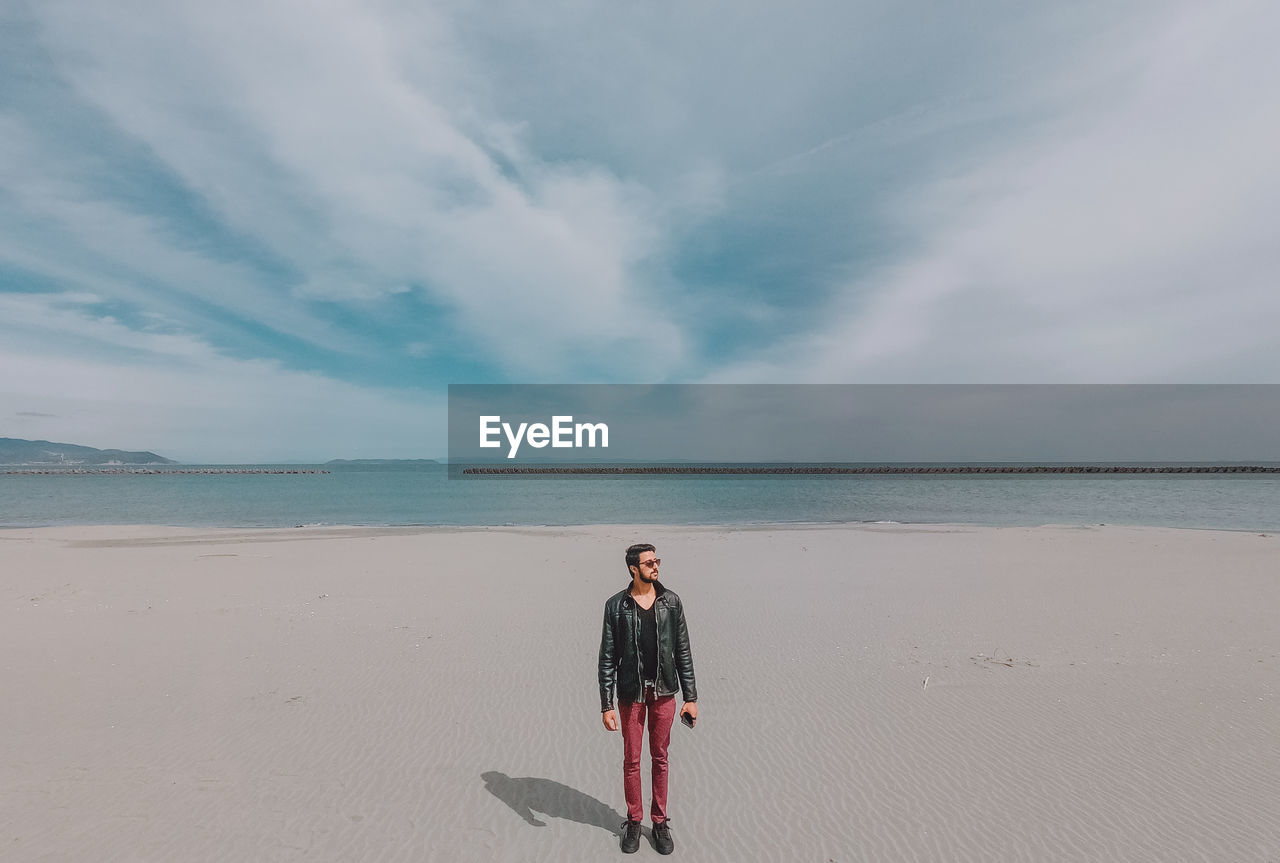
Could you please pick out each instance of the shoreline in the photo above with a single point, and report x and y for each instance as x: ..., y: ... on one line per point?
x: 726, y: 526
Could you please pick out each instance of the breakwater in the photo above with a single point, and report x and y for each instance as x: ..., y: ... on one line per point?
x: 856, y: 470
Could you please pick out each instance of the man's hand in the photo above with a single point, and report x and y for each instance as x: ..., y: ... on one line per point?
x: 691, y: 708
x: 610, y: 720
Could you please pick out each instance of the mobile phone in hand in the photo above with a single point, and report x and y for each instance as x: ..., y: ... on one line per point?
x: 687, y: 719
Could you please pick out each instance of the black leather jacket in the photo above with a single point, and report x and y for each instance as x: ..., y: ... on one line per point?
x: 620, y: 662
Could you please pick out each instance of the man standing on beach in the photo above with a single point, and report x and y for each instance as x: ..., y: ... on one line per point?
x: 644, y: 652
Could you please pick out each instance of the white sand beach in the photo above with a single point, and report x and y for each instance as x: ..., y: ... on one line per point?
x: 867, y: 693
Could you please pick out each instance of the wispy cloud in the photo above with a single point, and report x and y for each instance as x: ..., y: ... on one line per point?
x: 175, y: 395
x: 1127, y: 238
x: 303, y: 132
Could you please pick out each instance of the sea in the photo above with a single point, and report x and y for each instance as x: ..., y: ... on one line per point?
x: 425, y: 494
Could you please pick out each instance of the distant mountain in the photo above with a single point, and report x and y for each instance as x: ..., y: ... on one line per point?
x: 43, y: 452
x: 382, y: 461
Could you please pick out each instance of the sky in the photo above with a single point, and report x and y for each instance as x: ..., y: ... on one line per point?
x: 246, y: 232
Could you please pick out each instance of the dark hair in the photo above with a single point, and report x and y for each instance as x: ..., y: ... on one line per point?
x: 634, y: 552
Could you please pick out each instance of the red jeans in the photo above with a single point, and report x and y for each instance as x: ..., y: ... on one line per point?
x: 661, y: 711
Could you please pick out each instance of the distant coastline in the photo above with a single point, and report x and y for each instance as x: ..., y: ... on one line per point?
x: 43, y: 453
x: 22, y: 453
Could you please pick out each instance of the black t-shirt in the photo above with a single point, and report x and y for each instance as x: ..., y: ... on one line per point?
x: 648, y: 640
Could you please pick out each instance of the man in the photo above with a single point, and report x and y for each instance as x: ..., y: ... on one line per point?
x: 644, y: 653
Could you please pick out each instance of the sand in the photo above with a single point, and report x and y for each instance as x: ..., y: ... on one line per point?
x: 878, y: 693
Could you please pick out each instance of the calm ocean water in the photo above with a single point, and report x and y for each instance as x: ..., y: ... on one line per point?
x: 424, y: 495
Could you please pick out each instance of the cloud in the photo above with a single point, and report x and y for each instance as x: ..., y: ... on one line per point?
x: 112, y: 252
x: 1126, y: 239
x: 306, y: 132
x: 175, y: 395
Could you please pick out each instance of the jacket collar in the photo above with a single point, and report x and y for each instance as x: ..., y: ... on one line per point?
x: 657, y: 586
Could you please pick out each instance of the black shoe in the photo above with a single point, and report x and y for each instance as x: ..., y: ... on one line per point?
x: 662, y: 840
x: 630, y: 843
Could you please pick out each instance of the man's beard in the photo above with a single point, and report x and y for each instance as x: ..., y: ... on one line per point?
x: 646, y: 578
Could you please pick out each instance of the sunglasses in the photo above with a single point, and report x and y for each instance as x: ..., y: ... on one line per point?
x: 655, y: 563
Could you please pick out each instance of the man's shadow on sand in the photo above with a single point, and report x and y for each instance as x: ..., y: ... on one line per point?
x: 528, y: 794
